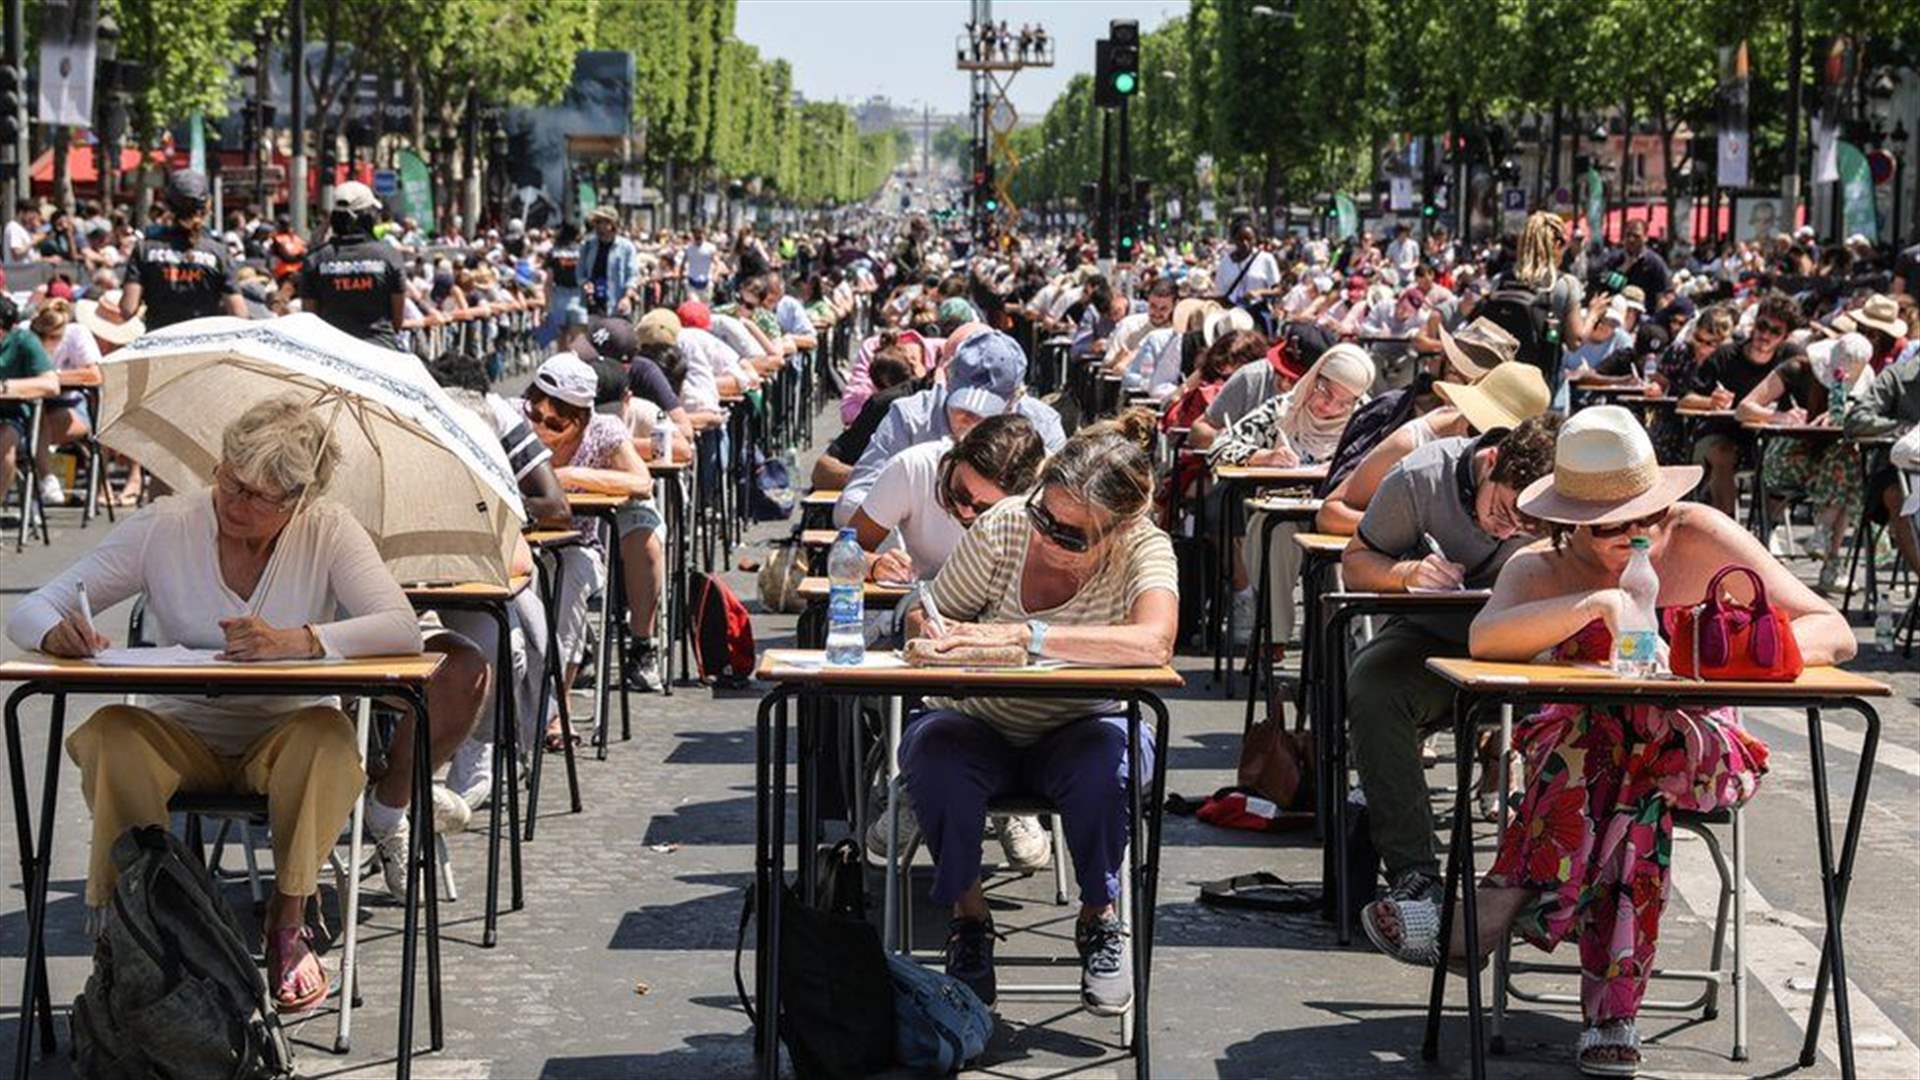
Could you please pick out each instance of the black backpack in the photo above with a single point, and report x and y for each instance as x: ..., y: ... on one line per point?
x: 1370, y: 424
x: 174, y: 990
x: 836, y: 993
x: 1527, y: 314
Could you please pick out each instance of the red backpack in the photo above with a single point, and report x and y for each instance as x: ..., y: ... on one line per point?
x: 722, y: 631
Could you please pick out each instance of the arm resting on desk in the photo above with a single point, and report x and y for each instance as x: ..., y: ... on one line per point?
x: 1146, y: 639
x: 112, y: 573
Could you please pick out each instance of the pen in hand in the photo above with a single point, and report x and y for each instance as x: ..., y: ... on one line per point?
x: 938, y: 624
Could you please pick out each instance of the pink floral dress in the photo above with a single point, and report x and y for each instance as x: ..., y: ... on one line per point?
x: 1594, y: 831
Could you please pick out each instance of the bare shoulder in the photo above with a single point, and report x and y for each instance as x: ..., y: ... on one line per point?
x: 1533, y: 572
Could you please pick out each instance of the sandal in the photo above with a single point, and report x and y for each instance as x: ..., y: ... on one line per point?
x: 557, y: 739
x: 287, y: 980
x: 1419, y: 918
x: 1618, y: 1040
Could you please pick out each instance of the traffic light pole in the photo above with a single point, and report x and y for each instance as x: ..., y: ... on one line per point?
x: 1129, y: 213
x: 297, y: 102
x: 18, y: 185
x: 1104, y: 225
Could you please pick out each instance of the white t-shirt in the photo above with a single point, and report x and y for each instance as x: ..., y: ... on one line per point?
x: 902, y: 499
x: 19, y: 242
x: 735, y: 334
x: 1264, y: 273
x: 1404, y: 254
x: 707, y: 359
x: 77, y: 351
x: 700, y: 261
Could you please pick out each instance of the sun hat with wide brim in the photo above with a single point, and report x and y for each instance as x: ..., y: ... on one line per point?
x: 1604, y: 472
x: 1509, y: 394
x: 1881, y: 313
x: 1220, y: 322
x: 1478, y: 347
x: 102, y: 318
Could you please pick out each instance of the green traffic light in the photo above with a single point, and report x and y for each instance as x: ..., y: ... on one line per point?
x: 1428, y: 210
x: 993, y: 204
x: 1126, y: 241
x: 1124, y: 82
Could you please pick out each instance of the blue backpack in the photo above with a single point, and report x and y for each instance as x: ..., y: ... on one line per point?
x: 938, y: 1023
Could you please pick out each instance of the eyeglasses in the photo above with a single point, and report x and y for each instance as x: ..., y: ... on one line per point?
x: 550, y: 419
x: 1641, y: 524
x: 232, y: 488
x: 1069, y: 538
x: 956, y: 499
x: 1770, y: 328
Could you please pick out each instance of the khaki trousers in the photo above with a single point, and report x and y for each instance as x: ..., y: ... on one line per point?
x: 132, y: 760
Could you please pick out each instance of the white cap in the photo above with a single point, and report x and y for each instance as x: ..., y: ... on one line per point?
x: 566, y: 377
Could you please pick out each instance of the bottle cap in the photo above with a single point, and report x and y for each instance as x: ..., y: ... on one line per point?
x: 1641, y: 543
x: 849, y: 533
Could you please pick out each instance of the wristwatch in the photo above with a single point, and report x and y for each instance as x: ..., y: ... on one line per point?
x: 1036, y: 638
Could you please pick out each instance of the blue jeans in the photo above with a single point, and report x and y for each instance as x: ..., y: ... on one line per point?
x: 954, y: 764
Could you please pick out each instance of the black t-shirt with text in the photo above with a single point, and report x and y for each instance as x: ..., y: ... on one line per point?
x: 352, y: 280
x: 181, y: 279
x: 564, y: 264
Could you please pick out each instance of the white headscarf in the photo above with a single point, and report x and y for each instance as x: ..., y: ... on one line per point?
x: 1314, y: 439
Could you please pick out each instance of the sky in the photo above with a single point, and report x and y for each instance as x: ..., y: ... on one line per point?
x: 849, y: 50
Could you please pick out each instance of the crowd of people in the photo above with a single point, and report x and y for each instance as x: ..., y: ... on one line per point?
x: 1441, y: 386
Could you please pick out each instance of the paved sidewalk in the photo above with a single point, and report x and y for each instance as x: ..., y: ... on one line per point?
x: 621, y: 963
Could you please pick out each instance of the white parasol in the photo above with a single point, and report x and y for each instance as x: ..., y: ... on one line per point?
x: 425, y: 476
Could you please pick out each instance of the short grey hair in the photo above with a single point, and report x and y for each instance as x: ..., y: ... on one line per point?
x: 282, y: 445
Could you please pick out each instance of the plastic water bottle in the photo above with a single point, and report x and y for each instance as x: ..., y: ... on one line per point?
x: 1636, y: 645
x: 1882, y: 627
x: 846, y: 603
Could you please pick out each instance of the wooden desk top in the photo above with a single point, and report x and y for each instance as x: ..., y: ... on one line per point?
x: 1704, y: 414
x: 1321, y: 543
x: 1798, y: 431
x: 74, y: 378
x: 1304, y: 508
x: 732, y: 399
x: 1271, y: 474
x: 820, y: 497
x: 400, y: 670
x: 816, y: 588
x: 809, y: 666
x: 592, y: 502
x: 541, y: 538
x: 819, y: 537
x: 1576, y: 678
x: 471, y: 590
x: 668, y: 468
x: 1473, y: 598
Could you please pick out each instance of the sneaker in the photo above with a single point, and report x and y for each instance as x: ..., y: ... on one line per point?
x: 1106, y: 964
x: 1027, y: 844
x: 1244, y: 606
x: 642, y: 673
x: 970, y: 956
x: 51, y: 492
x: 877, y: 832
x: 450, y: 815
x: 450, y: 812
x: 1830, y: 582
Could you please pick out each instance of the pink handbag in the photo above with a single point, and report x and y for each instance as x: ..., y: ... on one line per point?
x: 1722, y: 640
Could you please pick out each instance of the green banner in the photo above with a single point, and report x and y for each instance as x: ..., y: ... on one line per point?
x: 586, y: 198
x: 1346, y: 217
x: 1596, y: 203
x: 414, y: 199
x: 1857, y: 211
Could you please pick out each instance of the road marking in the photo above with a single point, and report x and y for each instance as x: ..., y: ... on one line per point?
x: 1887, y: 754
x: 1781, y: 958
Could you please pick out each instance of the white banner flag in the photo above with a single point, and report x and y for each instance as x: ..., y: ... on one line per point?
x: 67, y: 61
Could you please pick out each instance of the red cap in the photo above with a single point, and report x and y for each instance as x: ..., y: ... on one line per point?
x: 1286, y: 360
x: 695, y: 314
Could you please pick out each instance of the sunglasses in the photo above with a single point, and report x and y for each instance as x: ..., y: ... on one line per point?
x: 955, y: 499
x: 550, y: 419
x: 1770, y: 328
x: 1069, y: 538
x: 1643, y: 524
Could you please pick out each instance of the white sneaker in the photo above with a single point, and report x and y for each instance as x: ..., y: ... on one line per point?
x: 1245, y: 606
x: 877, y: 832
x: 1027, y: 844
x: 450, y: 815
x: 51, y: 491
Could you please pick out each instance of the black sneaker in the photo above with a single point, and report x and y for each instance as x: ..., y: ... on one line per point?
x: 1106, y: 964
x: 642, y: 674
x: 970, y: 956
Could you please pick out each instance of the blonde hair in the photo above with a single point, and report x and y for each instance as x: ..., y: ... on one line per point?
x: 53, y: 318
x: 1106, y: 466
x: 1536, y: 258
x: 281, y: 444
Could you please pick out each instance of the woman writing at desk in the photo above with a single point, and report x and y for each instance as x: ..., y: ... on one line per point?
x: 257, y: 567
x: 1585, y: 857
x: 1075, y: 571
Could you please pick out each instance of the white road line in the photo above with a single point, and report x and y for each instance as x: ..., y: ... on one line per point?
x: 1888, y: 754
x: 1780, y: 957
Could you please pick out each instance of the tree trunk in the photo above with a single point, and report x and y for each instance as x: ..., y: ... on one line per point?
x: 1626, y: 158
x: 62, y: 168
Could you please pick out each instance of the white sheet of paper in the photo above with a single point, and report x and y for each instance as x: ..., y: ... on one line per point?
x: 170, y: 656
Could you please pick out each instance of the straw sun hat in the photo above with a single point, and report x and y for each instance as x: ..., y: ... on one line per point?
x: 1509, y: 394
x: 1605, y: 472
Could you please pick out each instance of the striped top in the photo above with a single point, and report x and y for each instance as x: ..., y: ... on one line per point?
x: 981, y: 583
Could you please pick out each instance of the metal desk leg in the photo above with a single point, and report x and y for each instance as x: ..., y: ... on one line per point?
x: 419, y: 859
x: 36, y: 855
x: 1460, y: 877
x: 1137, y: 884
x: 1835, y: 880
x: 503, y: 730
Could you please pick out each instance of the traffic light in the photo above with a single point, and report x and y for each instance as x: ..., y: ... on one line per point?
x: 13, y: 101
x: 1123, y: 36
x: 1104, y: 95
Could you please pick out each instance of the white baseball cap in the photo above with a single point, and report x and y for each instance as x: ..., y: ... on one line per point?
x: 566, y: 377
